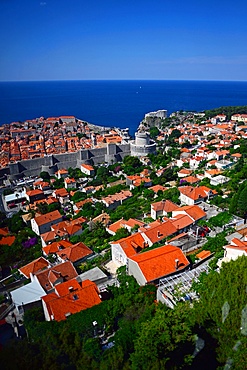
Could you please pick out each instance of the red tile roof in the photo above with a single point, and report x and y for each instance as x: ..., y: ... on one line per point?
x: 34, y: 192
x: 160, y: 262
x: 56, y: 246
x: 181, y: 221
x: 195, y: 212
x: 196, y: 193
x: 161, y: 231
x: 71, y: 297
x: 61, y: 192
x: 164, y: 205
x: 75, y: 252
x: 156, y: 188
x: 7, y: 240
x: 4, y: 231
x: 116, y: 226
x: 133, y: 222
x: 191, y: 179
x: 49, y: 236
x: 87, y: 167
x: 48, y: 217
x: 203, y: 254
x: 56, y: 274
x: 34, y: 267
x: 132, y: 244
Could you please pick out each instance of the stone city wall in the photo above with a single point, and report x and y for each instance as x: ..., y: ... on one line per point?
x: 52, y: 163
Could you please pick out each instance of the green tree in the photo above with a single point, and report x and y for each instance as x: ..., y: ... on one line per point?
x: 242, y: 201
x: 154, y: 132
x: 222, y: 308
x: 79, y: 195
x: 161, y: 336
x: 121, y: 233
x: 45, y: 176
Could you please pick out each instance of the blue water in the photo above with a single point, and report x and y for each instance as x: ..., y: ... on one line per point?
x: 113, y: 103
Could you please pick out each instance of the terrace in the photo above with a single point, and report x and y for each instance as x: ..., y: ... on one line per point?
x: 177, y: 288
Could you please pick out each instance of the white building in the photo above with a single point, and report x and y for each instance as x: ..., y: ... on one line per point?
x: 236, y: 249
x: 87, y: 169
x: 42, y: 224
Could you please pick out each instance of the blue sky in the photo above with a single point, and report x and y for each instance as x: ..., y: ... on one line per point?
x: 92, y: 40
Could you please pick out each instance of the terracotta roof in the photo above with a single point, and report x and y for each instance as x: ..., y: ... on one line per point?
x: 48, y: 278
x: 196, y: 193
x: 61, y: 192
x: 213, y: 172
x: 78, y: 221
x: 132, y: 244
x: 7, y: 240
x: 4, y: 231
x: 49, y: 236
x: 195, y: 212
x: 116, y: 226
x: 48, y: 217
x: 34, y: 192
x: 62, y: 171
x: 164, y: 205
x: 41, y: 183
x: 191, y: 179
x: 121, y: 196
x: 132, y: 222
x: 67, y: 227
x: 185, y: 171
x: 75, y: 252
x: 87, y: 167
x: 239, y: 243
x: 81, y: 203
x: 70, y: 298
x: 160, y: 262
x: 181, y: 221
x: 203, y: 254
x: 56, y: 246
x: 236, y: 155
x: 156, y: 188
x: 159, y: 232
x: 69, y: 180
x: 34, y: 267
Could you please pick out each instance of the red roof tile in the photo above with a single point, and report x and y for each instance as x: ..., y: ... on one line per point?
x: 56, y: 246
x: 159, y: 232
x: 48, y: 217
x: 7, y: 240
x: 56, y: 274
x: 71, y: 297
x: 75, y: 252
x: 194, y: 212
x: 160, y: 262
x: 34, y: 267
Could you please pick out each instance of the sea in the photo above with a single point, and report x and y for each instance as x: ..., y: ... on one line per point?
x: 114, y: 103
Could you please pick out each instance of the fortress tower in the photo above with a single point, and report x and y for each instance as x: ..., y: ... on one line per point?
x: 142, y: 145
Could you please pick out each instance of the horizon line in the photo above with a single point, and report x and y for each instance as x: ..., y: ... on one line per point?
x: 122, y: 80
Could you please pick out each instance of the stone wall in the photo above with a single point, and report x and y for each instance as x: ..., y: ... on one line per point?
x: 52, y: 163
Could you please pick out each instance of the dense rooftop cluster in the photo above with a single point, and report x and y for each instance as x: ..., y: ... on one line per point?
x: 164, y: 218
x: 54, y: 135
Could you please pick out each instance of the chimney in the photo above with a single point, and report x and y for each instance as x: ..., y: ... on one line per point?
x: 158, y: 234
x: 176, y: 263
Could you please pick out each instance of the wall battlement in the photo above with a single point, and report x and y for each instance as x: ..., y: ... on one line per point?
x: 52, y: 163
